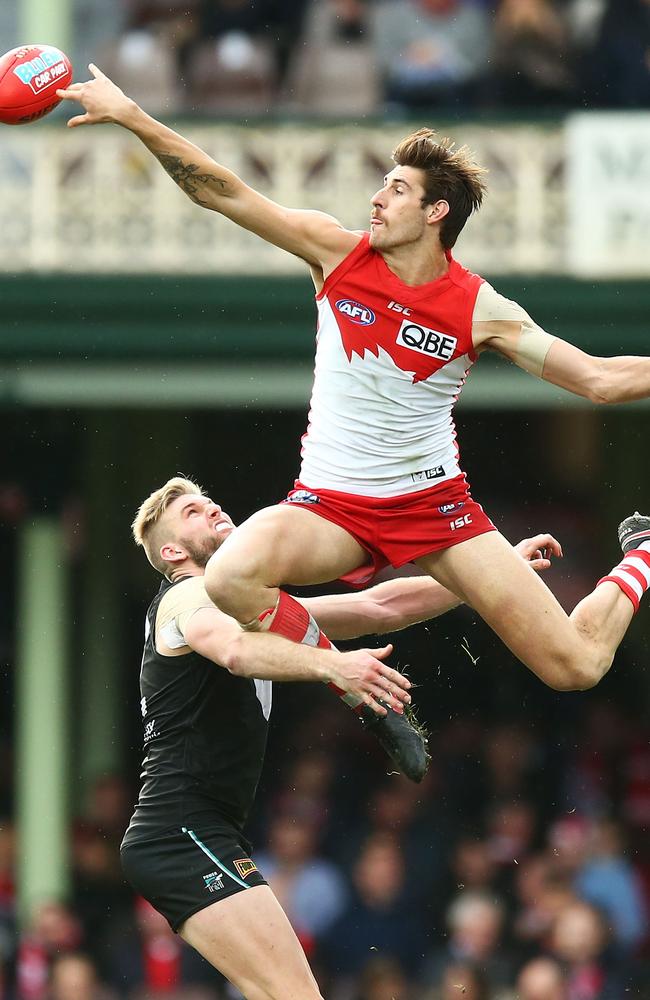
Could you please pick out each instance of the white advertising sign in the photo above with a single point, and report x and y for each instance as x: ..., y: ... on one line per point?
x: 608, y: 194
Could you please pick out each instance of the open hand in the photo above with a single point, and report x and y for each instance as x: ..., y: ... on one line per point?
x: 102, y: 100
x: 538, y: 550
x: 362, y: 673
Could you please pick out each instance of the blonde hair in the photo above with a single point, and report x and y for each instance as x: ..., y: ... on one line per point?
x: 150, y: 513
x: 450, y: 174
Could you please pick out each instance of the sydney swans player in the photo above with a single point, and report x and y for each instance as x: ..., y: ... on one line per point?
x: 400, y: 324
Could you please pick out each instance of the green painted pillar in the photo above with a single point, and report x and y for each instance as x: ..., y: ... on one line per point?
x: 47, y: 22
x: 100, y: 746
x: 42, y: 723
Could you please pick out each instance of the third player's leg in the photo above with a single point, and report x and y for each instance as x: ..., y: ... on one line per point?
x: 249, y: 939
x: 277, y: 546
x: 566, y: 652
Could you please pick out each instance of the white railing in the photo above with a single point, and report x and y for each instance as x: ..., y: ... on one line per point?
x: 94, y: 200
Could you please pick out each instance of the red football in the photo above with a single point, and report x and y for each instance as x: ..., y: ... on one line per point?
x: 29, y: 79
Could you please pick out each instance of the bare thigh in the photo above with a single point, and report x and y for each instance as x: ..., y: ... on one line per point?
x: 249, y: 939
x: 491, y: 577
x: 290, y: 545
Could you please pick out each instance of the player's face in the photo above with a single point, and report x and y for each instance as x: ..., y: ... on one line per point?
x: 398, y: 216
x: 199, y: 525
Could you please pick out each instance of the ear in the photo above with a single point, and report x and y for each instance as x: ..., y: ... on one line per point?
x: 172, y: 553
x: 437, y: 211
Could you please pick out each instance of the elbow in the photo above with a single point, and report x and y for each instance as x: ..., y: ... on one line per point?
x: 381, y: 620
x: 602, y: 386
x: 234, y: 657
x: 580, y: 678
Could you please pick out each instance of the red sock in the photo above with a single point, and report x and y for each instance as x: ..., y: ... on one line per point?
x: 632, y: 574
x: 293, y: 621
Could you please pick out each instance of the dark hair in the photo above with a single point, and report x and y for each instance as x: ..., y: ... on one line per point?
x: 450, y: 174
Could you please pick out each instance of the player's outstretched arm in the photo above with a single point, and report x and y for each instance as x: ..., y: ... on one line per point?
x: 314, y: 236
x: 503, y: 326
x: 397, y: 604
x: 270, y: 657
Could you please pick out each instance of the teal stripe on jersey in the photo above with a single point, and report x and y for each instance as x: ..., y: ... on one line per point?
x: 206, y: 850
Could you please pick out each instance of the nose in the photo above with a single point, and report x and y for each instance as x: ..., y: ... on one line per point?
x: 377, y: 200
x: 213, y: 510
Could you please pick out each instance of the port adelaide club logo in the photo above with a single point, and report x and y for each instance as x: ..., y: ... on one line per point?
x: 358, y: 314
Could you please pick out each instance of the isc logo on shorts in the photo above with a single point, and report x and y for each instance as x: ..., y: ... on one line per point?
x: 356, y: 313
x: 430, y: 342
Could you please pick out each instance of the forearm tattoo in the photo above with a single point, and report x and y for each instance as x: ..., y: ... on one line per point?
x: 189, y: 180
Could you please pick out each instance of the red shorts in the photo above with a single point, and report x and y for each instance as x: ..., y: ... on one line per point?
x: 397, y: 530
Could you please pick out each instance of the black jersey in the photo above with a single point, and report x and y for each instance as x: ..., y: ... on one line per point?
x: 204, y: 739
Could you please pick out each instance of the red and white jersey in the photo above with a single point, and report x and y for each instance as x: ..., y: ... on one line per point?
x: 390, y: 362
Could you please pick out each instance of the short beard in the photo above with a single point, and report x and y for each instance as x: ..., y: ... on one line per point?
x: 200, y: 553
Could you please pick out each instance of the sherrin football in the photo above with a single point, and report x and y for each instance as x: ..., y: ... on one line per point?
x: 29, y: 79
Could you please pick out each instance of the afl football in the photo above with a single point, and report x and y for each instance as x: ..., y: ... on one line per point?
x: 29, y: 79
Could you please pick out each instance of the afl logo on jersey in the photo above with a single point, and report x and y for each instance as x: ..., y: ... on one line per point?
x: 356, y: 313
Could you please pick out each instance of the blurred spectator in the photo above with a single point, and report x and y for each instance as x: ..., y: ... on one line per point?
x: 511, y: 829
x: 510, y: 758
x: 432, y: 53
x: 307, y: 789
x: 541, y: 979
x: 109, y: 806
x: 334, y: 70
x: 607, y: 880
x: 617, y: 70
x: 473, y: 865
x: 154, y: 962
x: 465, y: 981
x: 310, y: 889
x: 541, y: 895
x: 476, y: 925
x: 579, y: 942
x: 383, y: 979
x: 378, y: 917
x: 531, y: 59
x: 52, y: 930
x: 73, y: 976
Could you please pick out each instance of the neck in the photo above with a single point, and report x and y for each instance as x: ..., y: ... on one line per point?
x: 417, y: 266
x: 188, y: 568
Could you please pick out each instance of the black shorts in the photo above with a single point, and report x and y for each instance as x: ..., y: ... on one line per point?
x: 183, y: 871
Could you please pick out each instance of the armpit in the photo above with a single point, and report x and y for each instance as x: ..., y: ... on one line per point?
x: 176, y: 608
x: 503, y: 324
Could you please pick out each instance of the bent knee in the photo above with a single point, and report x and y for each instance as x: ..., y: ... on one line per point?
x: 578, y: 673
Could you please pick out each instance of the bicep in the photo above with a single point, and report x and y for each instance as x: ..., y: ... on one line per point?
x: 211, y: 634
x: 574, y: 370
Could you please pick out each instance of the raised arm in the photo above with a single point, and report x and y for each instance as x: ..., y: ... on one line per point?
x: 187, y: 619
x: 396, y: 604
x: 317, y: 238
x: 503, y: 326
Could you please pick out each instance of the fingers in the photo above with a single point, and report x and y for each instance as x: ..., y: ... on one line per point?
x: 394, y: 675
x: 547, y: 542
x: 540, y: 564
x: 382, y: 652
x: 96, y: 72
x: 78, y: 120
x: 375, y: 705
x: 71, y: 93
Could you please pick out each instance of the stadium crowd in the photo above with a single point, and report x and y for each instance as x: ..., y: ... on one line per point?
x: 505, y: 874
x: 358, y: 57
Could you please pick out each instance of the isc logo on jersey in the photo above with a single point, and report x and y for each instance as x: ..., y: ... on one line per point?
x: 430, y: 342
x: 355, y: 312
